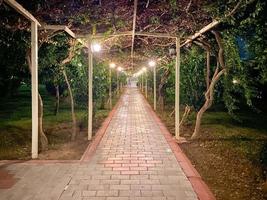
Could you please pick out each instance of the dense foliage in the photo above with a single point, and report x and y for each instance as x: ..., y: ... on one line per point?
x: 243, y: 37
x: 242, y: 29
x: 13, y: 46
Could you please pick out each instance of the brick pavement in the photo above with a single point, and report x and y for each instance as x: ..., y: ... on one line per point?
x: 132, y: 162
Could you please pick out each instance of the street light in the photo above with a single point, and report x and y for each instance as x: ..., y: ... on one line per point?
x: 93, y: 47
x: 111, y: 66
x: 235, y: 81
x: 96, y: 47
x: 152, y: 63
x: 144, y: 69
x: 119, y: 69
x: 138, y: 74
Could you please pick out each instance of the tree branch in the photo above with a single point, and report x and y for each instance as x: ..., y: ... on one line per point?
x: 212, y: 24
x: 221, y: 51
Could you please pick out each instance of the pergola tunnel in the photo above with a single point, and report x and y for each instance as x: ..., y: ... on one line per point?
x: 89, y: 42
x: 135, y: 98
x: 142, y: 77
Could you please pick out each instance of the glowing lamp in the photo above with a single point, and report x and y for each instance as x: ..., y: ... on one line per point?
x: 96, y: 47
x: 235, y: 81
x: 152, y: 63
x: 144, y: 69
x: 112, y: 65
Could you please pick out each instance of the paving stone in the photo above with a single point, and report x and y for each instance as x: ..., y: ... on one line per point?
x: 88, y: 193
x: 94, y: 198
x: 133, y: 161
x: 141, y: 187
x: 130, y: 193
x: 117, y: 198
x: 107, y: 193
x: 152, y: 193
x: 120, y: 187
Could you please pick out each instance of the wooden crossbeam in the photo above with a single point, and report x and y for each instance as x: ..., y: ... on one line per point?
x: 133, y: 31
x: 67, y: 30
x: 19, y: 8
x: 214, y: 23
x: 58, y: 28
x: 128, y: 33
x: 103, y: 35
x: 83, y: 43
x: 160, y: 35
x: 201, y: 31
x: 53, y: 27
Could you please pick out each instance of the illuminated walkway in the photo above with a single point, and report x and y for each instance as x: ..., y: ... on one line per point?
x: 132, y: 161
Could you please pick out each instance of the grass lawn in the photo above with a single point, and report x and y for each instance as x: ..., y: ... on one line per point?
x: 15, y: 124
x: 231, y: 156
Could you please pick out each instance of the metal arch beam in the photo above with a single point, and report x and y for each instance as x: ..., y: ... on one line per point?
x: 19, y: 8
x: 129, y: 33
x: 67, y: 30
x: 34, y: 86
x: 133, y: 31
x: 103, y: 35
x: 34, y: 72
x: 201, y: 32
x: 63, y: 28
x: 90, y: 90
x: 58, y: 28
x: 159, y: 35
x: 177, y: 90
x: 155, y: 87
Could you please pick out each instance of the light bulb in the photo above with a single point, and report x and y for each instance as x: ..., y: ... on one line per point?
x: 152, y: 63
x: 96, y: 47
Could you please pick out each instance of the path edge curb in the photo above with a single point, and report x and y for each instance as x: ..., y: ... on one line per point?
x: 90, y: 150
x: 201, y: 189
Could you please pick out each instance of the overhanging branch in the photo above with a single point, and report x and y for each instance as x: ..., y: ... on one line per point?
x: 133, y: 31
x: 212, y: 24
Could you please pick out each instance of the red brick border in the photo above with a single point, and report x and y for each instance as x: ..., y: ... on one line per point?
x: 89, y: 152
x: 200, y: 187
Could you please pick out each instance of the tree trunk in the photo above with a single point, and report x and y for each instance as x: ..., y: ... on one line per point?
x: 74, y: 122
x: 210, y: 91
x: 205, y: 45
x: 187, y: 110
x: 209, y: 99
x: 68, y: 59
x: 43, y: 138
x: 57, y: 100
x: 161, y: 86
x: 161, y: 100
x: 208, y: 69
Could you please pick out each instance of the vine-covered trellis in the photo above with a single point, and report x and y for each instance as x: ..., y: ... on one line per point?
x: 173, y: 38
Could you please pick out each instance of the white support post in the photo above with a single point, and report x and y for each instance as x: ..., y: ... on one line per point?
x: 34, y: 85
x: 90, y: 91
x: 142, y: 75
x: 110, y: 88
x: 177, y: 90
x: 118, y: 86
x: 155, y: 88
x: 146, y: 86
